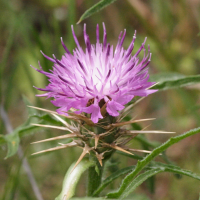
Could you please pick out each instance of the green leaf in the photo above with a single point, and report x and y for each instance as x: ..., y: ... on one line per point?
x: 97, y: 7
x: 175, y: 169
x: 165, y: 76
x: 155, y: 170
x: 12, y: 140
x: 72, y: 177
x: 138, y: 181
x: 173, y: 80
x: 111, y: 178
x: 142, y: 139
x: 12, y: 143
x: 141, y: 164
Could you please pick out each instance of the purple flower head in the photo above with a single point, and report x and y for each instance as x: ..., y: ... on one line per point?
x: 99, y: 76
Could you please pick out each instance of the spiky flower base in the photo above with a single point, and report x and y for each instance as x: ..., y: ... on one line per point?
x: 99, y: 140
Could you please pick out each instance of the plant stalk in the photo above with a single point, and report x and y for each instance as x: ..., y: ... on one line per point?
x: 95, y: 172
x: 94, y: 179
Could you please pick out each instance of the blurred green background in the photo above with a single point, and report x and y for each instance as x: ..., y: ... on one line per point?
x: 28, y: 26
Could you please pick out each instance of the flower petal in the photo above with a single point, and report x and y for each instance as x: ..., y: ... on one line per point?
x: 113, y: 107
x: 99, y: 72
x: 124, y: 99
x: 94, y: 109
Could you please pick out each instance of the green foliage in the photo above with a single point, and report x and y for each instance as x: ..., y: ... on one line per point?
x: 151, y: 172
x: 167, y: 81
x: 112, y: 177
x: 137, y: 181
x: 141, y: 164
x: 13, y: 139
x: 96, y: 8
x: 72, y: 177
x: 165, y: 76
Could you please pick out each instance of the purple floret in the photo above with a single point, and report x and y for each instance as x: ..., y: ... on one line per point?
x: 86, y: 80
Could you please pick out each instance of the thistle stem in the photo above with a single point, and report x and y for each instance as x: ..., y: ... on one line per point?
x: 94, y: 180
x: 95, y: 172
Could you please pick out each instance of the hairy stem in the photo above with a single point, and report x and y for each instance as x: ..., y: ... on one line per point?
x: 95, y: 172
x: 94, y: 179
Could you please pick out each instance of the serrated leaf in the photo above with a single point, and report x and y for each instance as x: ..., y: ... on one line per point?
x: 72, y: 177
x: 138, y: 181
x: 12, y: 143
x: 155, y: 170
x: 174, y: 80
x: 176, y: 169
x: 141, y: 164
x: 96, y: 8
x: 112, y: 177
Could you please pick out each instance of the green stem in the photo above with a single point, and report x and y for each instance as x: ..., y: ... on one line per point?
x: 95, y: 172
x: 72, y: 177
x: 94, y: 179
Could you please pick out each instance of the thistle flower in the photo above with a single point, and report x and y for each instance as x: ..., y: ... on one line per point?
x: 100, y: 79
